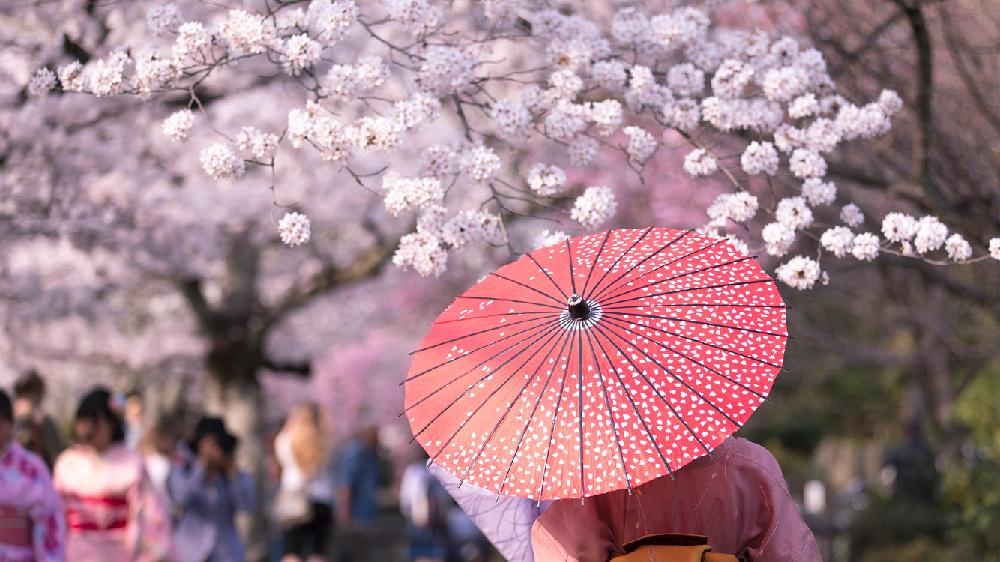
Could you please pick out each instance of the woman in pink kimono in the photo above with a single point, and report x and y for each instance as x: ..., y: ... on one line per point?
x: 112, y: 512
x: 737, y: 498
x: 31, y: 519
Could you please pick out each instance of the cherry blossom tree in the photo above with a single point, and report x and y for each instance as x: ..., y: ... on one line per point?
x: 415, y: 64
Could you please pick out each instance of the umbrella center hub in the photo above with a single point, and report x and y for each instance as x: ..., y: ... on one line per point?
x: 578, y: 308
x: 580, y: 313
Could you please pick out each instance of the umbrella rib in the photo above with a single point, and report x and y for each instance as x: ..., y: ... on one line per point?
x: 579, y: 410
x: 679, y: 275
x: 623, y: 325
x: 594, y: 265
x: 472, y: 414
x: 678, y: 379
x: 613, y: 284
x: 611, y: 415
x: 702, y: 322
x: 729, y: 304
x: 657, y: 391
x: 502, y: 299
x: 529, y: 287
x: 555, y: 417
x: 527, y: 382
x: 480, y: 348
x: 635, y: 408
x: 715, y: 346
x: 619, y: 258
x: 671, y: 262
x: 521, y: 313
x: 481, y: 379
x: 539, y: 335
x: 688, y: 289
x: 527, y: 423
x: 546, y: 273
x: 569, y: 257
x: 476, y: 333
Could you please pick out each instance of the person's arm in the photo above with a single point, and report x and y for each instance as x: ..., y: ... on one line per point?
x: 241, y: 488
x: 184, y: 483
x: 343, y: 500
x: 346, y: 469
x: 779, y: 534
x: 48, y: 527
x: 149, y: 522
x: 504, y: 520
x: 52, y: 440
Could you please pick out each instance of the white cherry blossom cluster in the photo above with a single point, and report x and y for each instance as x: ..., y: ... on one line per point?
x: 42, y: 82
x: 546, y: 180
x: 480, y: 163
x: 737, y: 207
x: 259, y: 145
x: 800, y: 272
x: 550, y: 237
x: 699, y: 162
x: 346, y: 80
x: 760, y: 158
x: 903, y: 235
x: 221, y: 163
x: 403, y: 193
x: 178, y: 125
x: 594, y: 207
x: 641, y: 144
x: 426, y: 250
x: 438, y: 106
x: 293, y: 228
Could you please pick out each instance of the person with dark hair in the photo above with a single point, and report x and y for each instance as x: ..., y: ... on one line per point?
x: 112, y: 511
x: 31, y: 515
x: 36, y: 430
x: 209, y: 490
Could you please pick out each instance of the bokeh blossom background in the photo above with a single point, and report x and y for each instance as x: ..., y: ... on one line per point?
x: 234, y: 206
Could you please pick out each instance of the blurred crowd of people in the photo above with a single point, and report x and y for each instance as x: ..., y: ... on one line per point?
x: 120, y: 489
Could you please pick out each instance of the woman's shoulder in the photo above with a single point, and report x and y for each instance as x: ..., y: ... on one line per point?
x: 73, y: 454
x: 121, y: 456
x: 119, y: 451
x: 23, y: 461
x: 72, y: 462
x: 737, y: 452
x: 283, y: 448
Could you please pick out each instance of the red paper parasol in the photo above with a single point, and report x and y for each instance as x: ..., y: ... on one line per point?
x: 678, y: 337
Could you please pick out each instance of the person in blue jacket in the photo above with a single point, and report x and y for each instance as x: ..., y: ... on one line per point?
x: 208, y: 490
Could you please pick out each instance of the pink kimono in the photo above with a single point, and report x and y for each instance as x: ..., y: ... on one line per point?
x: 112, y: 512
x: 31, y: 521
x: 737, y: 498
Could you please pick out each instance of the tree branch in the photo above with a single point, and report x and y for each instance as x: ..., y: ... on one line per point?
x: 955, y: 287
x: 192, y: 290
x: 871, y: 41
x: 301, y: 369
x: 924, y: 101
x: 965, y: 73
x: 365, y: 265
